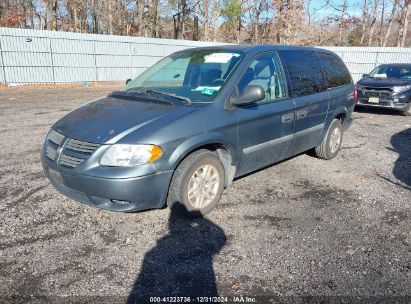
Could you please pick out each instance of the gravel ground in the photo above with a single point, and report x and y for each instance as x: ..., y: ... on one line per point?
x: 304, y: 227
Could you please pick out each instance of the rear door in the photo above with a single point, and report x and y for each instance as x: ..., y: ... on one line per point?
x: 265, y: 128
x: 308, y: 88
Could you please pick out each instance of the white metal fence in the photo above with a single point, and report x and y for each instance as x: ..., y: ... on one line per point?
x: 32, y: 56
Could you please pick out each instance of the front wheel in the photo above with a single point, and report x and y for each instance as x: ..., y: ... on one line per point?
x: 197, y: 183
x: 331, y: 144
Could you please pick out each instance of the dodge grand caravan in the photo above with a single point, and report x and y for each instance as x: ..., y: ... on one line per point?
x: 197, y: 119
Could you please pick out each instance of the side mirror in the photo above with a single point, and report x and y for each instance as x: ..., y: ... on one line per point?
x: 127, y: 81
x: 251, y: 94
x: 364, y: 75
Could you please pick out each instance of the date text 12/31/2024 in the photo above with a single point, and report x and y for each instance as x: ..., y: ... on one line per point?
x: 233, y: 299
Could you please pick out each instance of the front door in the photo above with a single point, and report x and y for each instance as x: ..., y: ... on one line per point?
x: 265, y: 128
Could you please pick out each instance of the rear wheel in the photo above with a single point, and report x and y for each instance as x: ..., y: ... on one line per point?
x: 407, y: 110
x: 197, y: 183
x: 331, y: 144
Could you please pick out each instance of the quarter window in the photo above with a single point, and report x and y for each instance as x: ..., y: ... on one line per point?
x: 336, y: 72
x: 265, y: 71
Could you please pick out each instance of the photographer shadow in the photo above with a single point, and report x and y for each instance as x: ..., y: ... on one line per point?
x: 181, y: 263
x: 401, y: 143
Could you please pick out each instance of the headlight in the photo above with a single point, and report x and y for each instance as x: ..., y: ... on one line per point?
x: 401, y: 89
x: 130, y: 155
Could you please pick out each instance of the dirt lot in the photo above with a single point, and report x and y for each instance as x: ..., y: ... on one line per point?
x: 304, y: 227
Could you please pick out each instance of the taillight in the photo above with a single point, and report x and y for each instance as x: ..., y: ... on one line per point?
x: 355, y: 95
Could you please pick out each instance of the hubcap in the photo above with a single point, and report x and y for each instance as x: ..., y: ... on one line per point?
x: 203, y: 186
x: 335, y: 140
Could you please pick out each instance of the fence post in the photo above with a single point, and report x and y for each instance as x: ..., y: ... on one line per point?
x: 130, y: 55
x: 2, y: 59
x: 51, y: 61
x: 95, y: 60
x: 376, y: 58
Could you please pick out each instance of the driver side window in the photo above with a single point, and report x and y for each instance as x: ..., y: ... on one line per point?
x: 266, y: 72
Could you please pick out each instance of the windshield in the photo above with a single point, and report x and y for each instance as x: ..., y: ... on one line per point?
x: 387, y: 71
x: 195, y: 74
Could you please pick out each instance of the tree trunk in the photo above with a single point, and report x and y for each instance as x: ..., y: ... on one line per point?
x: 390, y: 22
x: 84, y: 17
x: 215, y: 14
x: 140, y: 16
x: 206, y: 13
x: 373, y: 20
x: 176, y: 23
x: 364, y: 21
x: 52, y: 8
x: 110, y: 18
x: 402, y: 33
x: 239, y: 30
x: 95, y: 18
x: 74, y: 13
x: 154, y: 19
x: 382, y: 22
x: 257, y: 21
x: 195, y: 27
x: 179, y: 20
x: 341, y: 25
x: 183, y: 18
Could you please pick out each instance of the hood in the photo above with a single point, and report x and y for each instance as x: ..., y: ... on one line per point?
x: 383, y: 83
x: 104, y: 119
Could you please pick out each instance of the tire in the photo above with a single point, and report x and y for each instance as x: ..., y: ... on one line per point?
x: 329, y: 148
x: 407, y: 110
x: 183, y: 195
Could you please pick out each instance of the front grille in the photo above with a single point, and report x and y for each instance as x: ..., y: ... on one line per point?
x: 73, y: 152
x: 51, y: 152
x: 376, y: 92
x: 55, y: 137
x: 81, y: 146
x: 70, y: 161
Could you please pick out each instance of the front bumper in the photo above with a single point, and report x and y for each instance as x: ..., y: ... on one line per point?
x: 115, y: 194
x: 386, y: 99
x: 385, y: 104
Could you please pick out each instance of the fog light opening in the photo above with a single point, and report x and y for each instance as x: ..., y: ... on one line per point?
x: 120, y: 202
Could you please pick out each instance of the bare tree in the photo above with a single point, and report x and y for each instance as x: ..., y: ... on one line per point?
x: 341, y: 25
x: 52, y: 9
x: 403, y: 23
x: 390, y: 22
x: 364, y: 21
x: 382, y: 23
x: 140, y: 16
x: 372, y: 21
x: 210, y: 12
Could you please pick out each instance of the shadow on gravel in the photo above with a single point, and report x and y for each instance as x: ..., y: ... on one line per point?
x: 401, y: 143
x: 181, y: 263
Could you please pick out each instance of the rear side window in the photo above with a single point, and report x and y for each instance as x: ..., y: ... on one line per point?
x: 336, y: 72
x: 305, y: 72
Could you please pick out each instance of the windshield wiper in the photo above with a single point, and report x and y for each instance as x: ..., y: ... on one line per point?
x: 183, y: 98
x: 138, y: 95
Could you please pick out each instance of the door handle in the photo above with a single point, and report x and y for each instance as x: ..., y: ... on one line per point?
x: 301, y: 114
x: 287, y: 117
